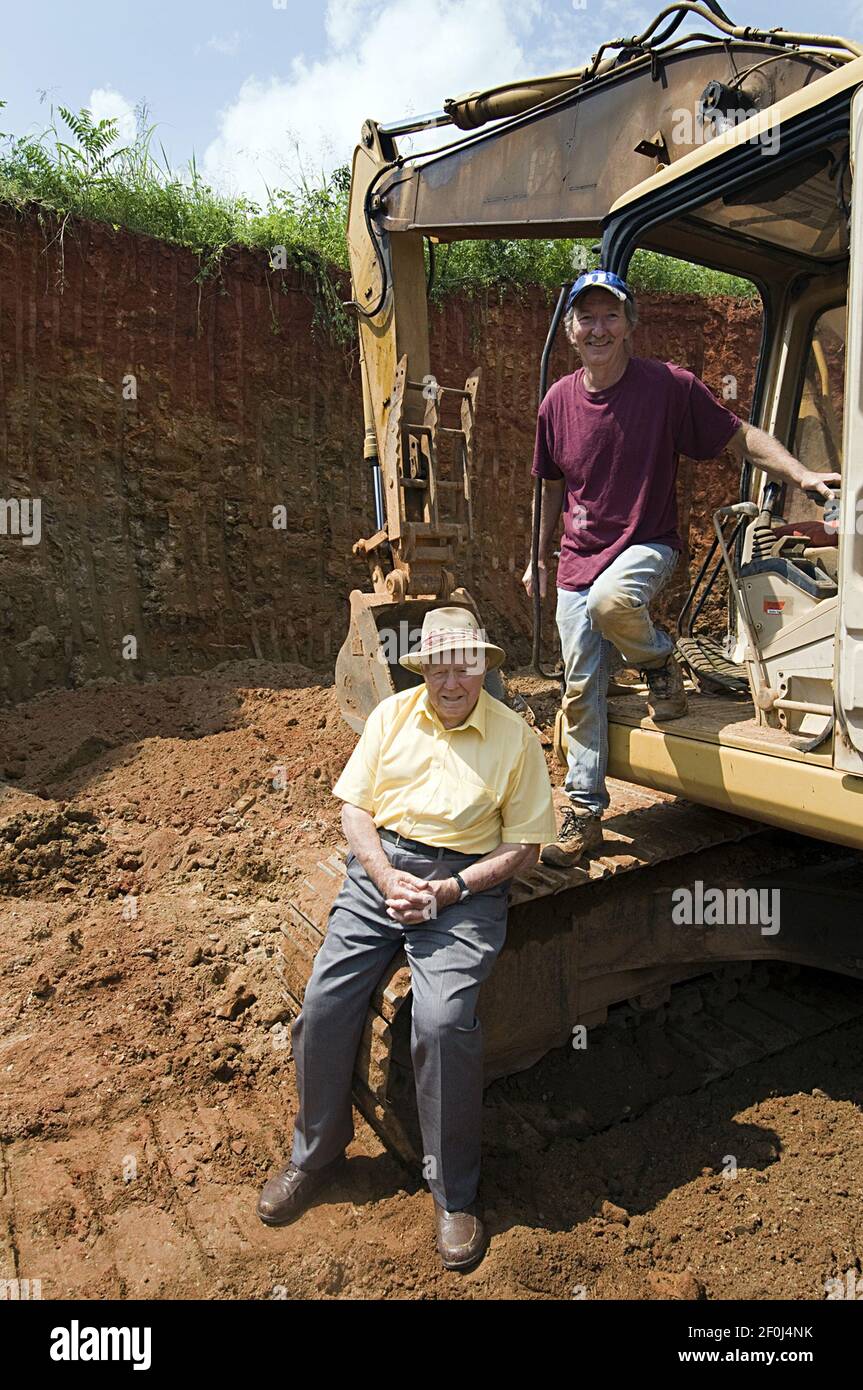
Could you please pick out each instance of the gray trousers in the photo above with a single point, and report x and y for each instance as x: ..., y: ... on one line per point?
x: 449, y: 958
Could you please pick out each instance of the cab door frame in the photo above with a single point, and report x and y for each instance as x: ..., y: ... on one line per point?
x: 848, y: 683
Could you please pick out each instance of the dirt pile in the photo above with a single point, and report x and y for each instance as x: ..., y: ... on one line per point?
x: 151, y: 862
x: 224, y: 773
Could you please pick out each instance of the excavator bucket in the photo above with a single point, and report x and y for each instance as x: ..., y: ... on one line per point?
x: 381, y: 631
x: 367, y: 666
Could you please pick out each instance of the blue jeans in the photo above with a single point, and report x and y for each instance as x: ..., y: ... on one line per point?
x: 610, y: 612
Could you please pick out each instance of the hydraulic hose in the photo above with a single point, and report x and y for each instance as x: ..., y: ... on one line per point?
x: 535, y: 661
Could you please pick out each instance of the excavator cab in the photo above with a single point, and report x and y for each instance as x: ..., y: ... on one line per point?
x: 776, y: 714
x: 780, y: 559
x: 783, y: 575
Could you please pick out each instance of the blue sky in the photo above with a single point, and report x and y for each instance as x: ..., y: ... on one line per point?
x: 261, y: 89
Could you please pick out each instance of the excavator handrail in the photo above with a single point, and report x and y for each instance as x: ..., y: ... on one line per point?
x: 536, y: 596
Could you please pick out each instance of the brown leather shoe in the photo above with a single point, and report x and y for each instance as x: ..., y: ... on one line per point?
x: 460, y: 1236
x: 286, y: 1195
x: 580, y: 832
x: 666, y: 695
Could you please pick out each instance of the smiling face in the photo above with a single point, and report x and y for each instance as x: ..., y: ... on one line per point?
x: 601, y: 331
x: 454, y: 683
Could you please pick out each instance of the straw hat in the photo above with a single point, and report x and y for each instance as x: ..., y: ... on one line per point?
x: 447, y: 630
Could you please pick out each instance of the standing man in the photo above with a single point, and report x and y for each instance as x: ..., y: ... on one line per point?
x: 447, y: 797
x: 608, y: 438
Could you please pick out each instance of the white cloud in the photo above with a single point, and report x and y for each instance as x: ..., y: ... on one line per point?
x: 384, y: 58
x: 344, y: 21
x: 106, y: 104
x: 225, y: 43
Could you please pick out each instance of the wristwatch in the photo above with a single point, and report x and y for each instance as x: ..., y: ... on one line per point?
x: 465, y: 891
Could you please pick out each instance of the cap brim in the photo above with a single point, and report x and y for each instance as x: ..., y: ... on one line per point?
x: 618, y: 294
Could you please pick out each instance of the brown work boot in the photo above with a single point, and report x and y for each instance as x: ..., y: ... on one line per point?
x: 666, y: 696
x: 580, y: 832
x: 286, y: 1195
x: 460, y: 1236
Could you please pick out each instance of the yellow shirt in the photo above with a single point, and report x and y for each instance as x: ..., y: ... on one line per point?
x: 470, y: 788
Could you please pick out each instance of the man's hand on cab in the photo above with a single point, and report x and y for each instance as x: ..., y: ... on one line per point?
x: 821, y: 483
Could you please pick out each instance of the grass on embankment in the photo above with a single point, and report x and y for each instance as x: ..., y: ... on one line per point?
x: 84, y: 170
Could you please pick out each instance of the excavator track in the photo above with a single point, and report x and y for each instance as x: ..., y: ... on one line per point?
x: 584, y: 942
x: 708, y: 1029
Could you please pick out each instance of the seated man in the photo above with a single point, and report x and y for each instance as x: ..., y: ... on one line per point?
x: 447, y: 797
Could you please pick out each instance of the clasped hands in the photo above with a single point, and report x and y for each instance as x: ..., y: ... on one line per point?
x: 410, y: 899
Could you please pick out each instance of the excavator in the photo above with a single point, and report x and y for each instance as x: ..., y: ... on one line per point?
x: 724, y: 146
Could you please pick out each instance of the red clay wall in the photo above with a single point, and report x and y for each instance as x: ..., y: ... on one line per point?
x: 157, y: 512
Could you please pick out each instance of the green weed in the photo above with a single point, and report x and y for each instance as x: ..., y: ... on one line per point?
x: 80, y: 168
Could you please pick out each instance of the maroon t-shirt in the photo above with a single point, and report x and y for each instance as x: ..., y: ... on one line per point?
x: 617, y: 450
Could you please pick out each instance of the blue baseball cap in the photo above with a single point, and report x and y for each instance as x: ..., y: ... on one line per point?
x: 599, y: 280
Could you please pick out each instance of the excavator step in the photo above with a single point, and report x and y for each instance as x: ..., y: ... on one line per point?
x: 711, y: 668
